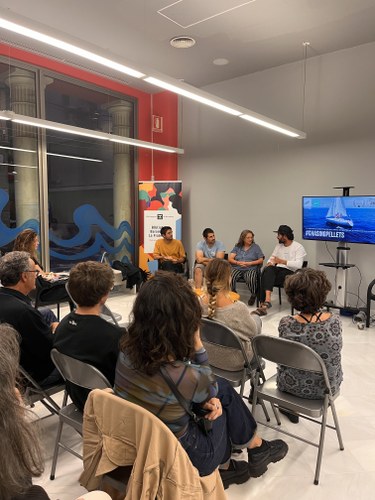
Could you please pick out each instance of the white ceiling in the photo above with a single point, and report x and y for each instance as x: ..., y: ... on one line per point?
x: 252, y: 35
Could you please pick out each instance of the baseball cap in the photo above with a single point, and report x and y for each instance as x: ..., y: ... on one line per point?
x: 284, y: 229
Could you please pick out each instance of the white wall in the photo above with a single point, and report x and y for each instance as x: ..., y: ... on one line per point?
x: 236, y: 175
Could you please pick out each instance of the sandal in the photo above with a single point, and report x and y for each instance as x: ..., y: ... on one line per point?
x: 261, y: 311
x: 266, y: 304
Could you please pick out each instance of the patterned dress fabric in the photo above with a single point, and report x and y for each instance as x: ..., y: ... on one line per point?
x: 325, y: 338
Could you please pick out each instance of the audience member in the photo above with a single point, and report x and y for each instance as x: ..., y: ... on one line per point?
x: 321, y: 330
x: 28, y: 241
x: 217, y: 304
x: 169, y: 252
x: 286, y: 258
x: 83, y: 334
x: 21, y: 456
x: 207, y: 249
x: 245, y: 258
x: 18, y: 274
x: 163, y: 344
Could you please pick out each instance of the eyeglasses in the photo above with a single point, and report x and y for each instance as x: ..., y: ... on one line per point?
x: 33, y: 271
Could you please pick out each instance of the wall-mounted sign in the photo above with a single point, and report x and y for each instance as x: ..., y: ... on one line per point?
x: 157, y: 123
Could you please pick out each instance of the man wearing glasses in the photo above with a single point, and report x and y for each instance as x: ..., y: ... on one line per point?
x: 18, y: 275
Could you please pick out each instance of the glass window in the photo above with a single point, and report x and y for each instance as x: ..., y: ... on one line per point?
x: 90, y: 182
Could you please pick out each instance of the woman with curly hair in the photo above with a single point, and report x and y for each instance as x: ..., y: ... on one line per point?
x: 20, y: 457
x: 218, y: 304
x: 307, y: 291
x: 163, y: 346
x: 28, y: 241
x: 245, y: 258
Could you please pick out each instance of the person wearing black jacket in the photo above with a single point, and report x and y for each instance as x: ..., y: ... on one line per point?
x: 18, y: 274
x: 83, y: 334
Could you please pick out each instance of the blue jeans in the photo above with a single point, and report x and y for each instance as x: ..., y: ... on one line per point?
x: 234, y: 429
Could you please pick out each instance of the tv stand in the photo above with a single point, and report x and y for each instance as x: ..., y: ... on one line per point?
x: 341, y: 265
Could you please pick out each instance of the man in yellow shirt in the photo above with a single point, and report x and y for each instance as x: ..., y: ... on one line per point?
x: 169, y: 252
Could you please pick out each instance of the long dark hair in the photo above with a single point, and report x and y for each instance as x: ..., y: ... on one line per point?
x: 217, y: 280
x: 166, y: 315
x: 20, y: 456
x: 24, y: 242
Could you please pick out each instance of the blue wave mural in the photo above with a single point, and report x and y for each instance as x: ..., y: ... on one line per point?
x: 8, y: 234
x: 91, y: 239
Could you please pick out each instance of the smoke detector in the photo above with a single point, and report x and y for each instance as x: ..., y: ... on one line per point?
x: 182, y: 42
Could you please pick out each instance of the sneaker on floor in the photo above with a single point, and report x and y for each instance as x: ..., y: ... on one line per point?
x: 237, y: 473
x: 260, y: 311
x: 290, y: 415
x: 252, y: 300
x: 269, y: 451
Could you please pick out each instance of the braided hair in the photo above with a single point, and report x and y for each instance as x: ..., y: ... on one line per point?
x: 217, y: 279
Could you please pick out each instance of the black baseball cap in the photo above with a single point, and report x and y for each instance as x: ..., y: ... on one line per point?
x: 285, y: 230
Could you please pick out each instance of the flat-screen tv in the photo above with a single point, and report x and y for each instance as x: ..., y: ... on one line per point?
x: 348, y: 219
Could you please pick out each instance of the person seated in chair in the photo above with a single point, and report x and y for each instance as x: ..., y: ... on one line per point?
x: 286, y: 258
x: 162, y: 348
x: 245, y: 258
x: 321, y: 330
x: 206, y: 250
x: 21, y: 453
x: 83, y: 334
x: 218, y: 304
x: 18, y: 274
x: 169, y: 253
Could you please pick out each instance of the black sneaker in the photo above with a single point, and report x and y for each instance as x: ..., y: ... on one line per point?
x: 269, y: 451
x: 252, y: 300
x: 237, y: 473
x: 292, y: 416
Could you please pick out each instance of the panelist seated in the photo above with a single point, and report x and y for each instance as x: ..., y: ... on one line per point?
x: 169, y: 253
x: 286, y: 258
x: 83, y: 334
x: 207, y: 249
x: 245, y: 259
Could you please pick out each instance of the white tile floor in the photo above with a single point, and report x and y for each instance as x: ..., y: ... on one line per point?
x: 345, y: 474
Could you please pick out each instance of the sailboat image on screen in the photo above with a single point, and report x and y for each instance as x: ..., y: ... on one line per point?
x: 337, y: 216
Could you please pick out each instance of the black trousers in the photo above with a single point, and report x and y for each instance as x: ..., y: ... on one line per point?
x: 167, y: 265
x: 272, y: 276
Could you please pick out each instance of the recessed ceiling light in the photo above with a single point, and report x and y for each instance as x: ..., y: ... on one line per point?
x: 221, y: 61
x: 182, y: 42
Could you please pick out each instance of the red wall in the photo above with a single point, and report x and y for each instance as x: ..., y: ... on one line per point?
x: 165, y: 104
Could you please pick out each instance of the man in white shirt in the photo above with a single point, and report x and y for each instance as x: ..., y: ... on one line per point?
x: 287, y: 257
x: 206, y: 250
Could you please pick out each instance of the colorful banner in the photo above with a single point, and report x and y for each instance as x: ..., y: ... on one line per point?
x: 160, y: 204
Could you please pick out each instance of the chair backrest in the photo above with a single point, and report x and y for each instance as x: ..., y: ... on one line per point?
x: 289, y: 353
x: 78, y: 372
x: 218, y: 333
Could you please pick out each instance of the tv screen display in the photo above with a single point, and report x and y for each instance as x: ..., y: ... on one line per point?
x: 348, y: 219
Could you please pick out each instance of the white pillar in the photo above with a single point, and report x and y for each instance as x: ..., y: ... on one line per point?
x: 121, y: 114
x: 22, y: 101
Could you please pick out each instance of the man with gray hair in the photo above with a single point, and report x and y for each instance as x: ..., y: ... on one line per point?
x: 18, y: 275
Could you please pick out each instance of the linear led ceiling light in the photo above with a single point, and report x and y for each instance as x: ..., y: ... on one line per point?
x: 84, y: 132
x: 18, y: 149
x: 71, y: 157
x: 159, y: 80
x: 195, y: 95
x: 68, y: 47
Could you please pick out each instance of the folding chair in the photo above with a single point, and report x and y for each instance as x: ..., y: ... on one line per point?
x: 34, y: 392
x: 81, y: 374
x: 301, y: 357
x: 215, y: 332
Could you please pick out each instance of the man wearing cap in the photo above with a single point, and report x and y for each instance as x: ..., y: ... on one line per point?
x: 286, y: 258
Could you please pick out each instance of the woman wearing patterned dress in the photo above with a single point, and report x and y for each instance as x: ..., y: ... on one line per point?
x: 307, y: 291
